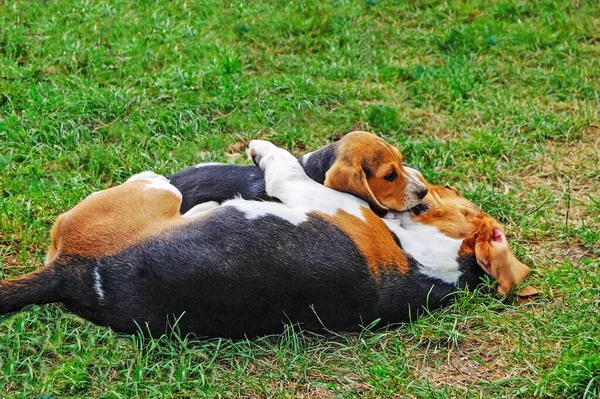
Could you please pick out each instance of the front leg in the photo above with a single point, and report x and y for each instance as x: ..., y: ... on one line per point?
x: 282, y: 171
x: 286, y: 180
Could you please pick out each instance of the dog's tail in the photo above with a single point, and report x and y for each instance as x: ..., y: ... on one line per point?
x: 38, y: 287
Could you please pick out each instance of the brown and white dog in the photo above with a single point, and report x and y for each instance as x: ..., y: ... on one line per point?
x: 360, y: 163
x: 125, y: 257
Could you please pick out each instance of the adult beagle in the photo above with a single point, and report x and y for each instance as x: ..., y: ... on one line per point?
x: 125, y: 257
x: 360, y: 163
x: 442, y: 210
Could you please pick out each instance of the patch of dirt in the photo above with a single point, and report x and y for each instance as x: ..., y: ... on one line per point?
x: 237, y: 148
x: 314, y: 385
x: 570, y: 174
x: 570, y: 167
x: 468, y: 366
x: 12, y: 262
x: 429, y: 123
x: 458, y: 369
x: 559, y: 251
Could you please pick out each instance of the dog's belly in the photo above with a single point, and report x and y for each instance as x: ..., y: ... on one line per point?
x: 225, y: 275
x: 230, y: 276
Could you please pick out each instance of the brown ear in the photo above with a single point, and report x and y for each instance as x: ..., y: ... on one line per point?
x: 494, y: 256
x: 352, y: 179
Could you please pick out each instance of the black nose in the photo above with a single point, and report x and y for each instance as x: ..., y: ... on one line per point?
x: 422, y: 193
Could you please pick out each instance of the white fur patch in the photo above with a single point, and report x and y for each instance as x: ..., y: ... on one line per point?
x: 203, y: 164
x: 159, y: 184
x: 413, y: 187
x: 305, y: 157
x: 436, y: 253
x: 312, y: 196
x: 285, y: 179
x: 98, y: 285
x: 256, y: 209
x: 155, y: 181
x: 416, y: 174
x: 200, y: 209
x: 147, y: 175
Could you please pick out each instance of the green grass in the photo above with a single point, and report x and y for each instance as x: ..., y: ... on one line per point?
x: 500, y: 99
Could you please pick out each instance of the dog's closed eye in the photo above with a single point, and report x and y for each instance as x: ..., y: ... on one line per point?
x: 390, y: 176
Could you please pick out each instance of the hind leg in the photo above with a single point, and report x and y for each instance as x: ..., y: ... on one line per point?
x: 156, y: 181
x: 114, y: 219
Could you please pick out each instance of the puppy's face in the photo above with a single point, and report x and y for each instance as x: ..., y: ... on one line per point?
x: 368, y: 167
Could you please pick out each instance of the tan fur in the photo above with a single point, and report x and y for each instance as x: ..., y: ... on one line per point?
x: 372, y: 238
x: 101, y: 225
x: 450, y: 212
x: 358, y: 151
x: 55, y: 240
x: 459, y: 218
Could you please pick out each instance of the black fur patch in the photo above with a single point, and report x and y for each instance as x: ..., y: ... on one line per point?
x: 418, y: 209
x: 227, y: 276
x: 367, y: 169
x: 219, y: 183
x: 223, y: 182
x: 319, y: 162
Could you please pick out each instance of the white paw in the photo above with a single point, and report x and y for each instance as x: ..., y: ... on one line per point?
x: 263, y: 152
x: 257, y: 151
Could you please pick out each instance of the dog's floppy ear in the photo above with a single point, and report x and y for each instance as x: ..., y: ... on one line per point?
x: 494, y: 256
x: 353, y: 179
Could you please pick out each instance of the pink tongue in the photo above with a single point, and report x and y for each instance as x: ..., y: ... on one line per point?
x: 496, y: 235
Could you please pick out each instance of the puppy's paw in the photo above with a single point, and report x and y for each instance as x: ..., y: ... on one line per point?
x: 264, y: 153
x: 258, y: 150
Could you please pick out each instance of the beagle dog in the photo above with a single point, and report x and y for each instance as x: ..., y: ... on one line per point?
x: 360, y: 163
x: 363, y: 159
x: 126, y: 258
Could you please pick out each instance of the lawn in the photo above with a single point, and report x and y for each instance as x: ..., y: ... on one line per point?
x: 499, y: 99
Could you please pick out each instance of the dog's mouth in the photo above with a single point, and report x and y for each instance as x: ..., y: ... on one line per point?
x: 414, y: 211
x: 417, y: 209
x: 403, y: 218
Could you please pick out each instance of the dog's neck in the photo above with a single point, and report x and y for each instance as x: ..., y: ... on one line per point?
x: 436, y: 253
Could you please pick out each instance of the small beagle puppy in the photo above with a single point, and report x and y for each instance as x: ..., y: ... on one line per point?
x: 360, y: 163
x: 125, y: 257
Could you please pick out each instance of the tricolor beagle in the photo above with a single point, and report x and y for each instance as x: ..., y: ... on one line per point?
x: 360, y: 163
x: 442, y: 211
x: 125, y: 257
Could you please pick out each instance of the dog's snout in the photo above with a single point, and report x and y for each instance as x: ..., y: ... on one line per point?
x: 421, y: 194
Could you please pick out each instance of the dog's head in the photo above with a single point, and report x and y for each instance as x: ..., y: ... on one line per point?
x: 483, y: 236
x: 489, y: 247
x: 368, y: 167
